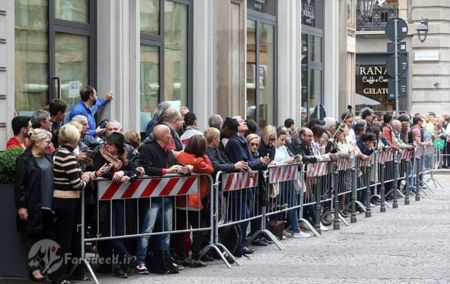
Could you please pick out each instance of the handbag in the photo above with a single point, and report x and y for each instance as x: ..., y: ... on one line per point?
x: 274, y: 190
x: 298, y: 187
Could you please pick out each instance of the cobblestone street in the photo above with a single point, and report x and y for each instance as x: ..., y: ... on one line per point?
x: 405, y: 245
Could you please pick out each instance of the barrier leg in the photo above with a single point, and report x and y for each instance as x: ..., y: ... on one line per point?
x: 368, y: 209
x: 382, y: 190
x: 396, y: 175
x: 407, y: 201
x: 417, y: 179
x: 266, y: 232
x: 318, y: 205
x: 83, y: 232
x: 354, y: 193
x: 336, y: 223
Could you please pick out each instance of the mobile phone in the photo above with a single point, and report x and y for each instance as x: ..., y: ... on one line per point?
x: 90, y: 153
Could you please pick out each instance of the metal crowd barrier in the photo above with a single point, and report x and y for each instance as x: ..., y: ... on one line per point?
x: 118, y: 203
x: 234, y: 199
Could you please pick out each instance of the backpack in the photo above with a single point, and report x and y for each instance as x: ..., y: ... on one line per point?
x: 230, y: 237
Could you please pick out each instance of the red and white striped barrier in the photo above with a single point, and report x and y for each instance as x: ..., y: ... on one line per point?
x: 236, y: 181
x: 316, y: 170
x: 405, y: 154
x: 344, y: 164
x: 428, y: 150
x: 368, y: 162
x: 418, y: 152
x: 283, y: 173
x: 145, y: 188
x: 385, y: 156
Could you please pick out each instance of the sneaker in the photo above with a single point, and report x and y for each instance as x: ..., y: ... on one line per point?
x: 323, y: 228
x: 119, y: 273
x: 207, y: 257
x: 197, y: 263
x: 142, y: 269
x: 301, y: 235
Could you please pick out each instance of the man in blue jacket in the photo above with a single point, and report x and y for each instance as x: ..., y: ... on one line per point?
x: 88, y: 106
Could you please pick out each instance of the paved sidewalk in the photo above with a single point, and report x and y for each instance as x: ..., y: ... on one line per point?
x: 410, y: 244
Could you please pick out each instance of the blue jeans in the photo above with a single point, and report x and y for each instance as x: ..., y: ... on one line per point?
x: 162, y: 208
x: 291, y: 198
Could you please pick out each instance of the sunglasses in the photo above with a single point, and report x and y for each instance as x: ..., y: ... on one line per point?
x: 254, y: 144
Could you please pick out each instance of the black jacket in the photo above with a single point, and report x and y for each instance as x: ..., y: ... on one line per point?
x: 299, y: 148
x: 219, y: 161
x: 28, y: 193
x: 154, y: 159
x: 265, y: 149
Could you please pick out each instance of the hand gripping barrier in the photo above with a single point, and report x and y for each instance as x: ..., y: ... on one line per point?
x: 130, y: 210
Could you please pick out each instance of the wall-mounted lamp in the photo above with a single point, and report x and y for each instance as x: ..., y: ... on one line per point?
x: 422, y: 30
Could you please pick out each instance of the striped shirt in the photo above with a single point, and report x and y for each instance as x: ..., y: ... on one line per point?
x: 67, y: 174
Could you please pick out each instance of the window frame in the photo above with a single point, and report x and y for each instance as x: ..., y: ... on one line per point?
x: 88, y: 30
x: 264, y: 18
x: 157, y: 40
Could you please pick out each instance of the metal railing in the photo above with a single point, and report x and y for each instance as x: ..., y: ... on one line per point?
x: 290, y: 190
x: 377, y: 20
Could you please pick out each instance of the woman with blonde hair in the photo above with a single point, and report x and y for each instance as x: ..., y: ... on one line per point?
x: 68, y: 183
x: 33, y: 193
x: 268, y: 138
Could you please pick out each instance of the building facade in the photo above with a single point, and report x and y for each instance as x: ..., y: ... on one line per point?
x: 424, y: 87
x: 262, y: 59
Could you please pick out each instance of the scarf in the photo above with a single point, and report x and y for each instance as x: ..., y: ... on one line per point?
x: 114, y: 160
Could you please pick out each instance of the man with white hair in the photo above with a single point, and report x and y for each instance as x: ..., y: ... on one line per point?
x: 396, y: 139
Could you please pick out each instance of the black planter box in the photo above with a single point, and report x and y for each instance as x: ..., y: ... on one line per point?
x: 13, y: 262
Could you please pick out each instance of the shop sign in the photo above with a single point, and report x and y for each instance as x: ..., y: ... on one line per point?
x: 308, y: 12
x: 264, y: 6
x: 372, y: 80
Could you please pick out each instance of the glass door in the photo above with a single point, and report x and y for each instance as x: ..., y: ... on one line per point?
x: 261, y: 68
x: 71, y: 66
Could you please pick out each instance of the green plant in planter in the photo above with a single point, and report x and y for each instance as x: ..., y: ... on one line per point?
x: 8, y: 165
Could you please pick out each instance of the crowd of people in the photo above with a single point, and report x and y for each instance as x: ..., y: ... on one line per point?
x: 61, y: 160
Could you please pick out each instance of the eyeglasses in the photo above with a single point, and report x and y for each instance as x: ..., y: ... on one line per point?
x: 272, y: 139
x: 254, y: 144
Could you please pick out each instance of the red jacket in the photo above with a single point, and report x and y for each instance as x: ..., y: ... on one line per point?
x: 13, y: 143
x: 202, y: 165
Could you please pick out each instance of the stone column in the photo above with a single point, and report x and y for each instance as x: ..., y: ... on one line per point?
x: 7, y: 42
x: 331, y: 58
x: 204, y: 99
x: 289, y: 62
x: 229, y: 60
x: 118, y: 43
